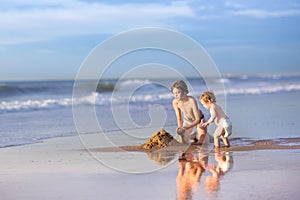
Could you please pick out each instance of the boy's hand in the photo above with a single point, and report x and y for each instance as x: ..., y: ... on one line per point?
x: 180, y: 130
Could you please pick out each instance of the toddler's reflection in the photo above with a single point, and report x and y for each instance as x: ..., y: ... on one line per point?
x: 224, y: 163
x: 193, y: 164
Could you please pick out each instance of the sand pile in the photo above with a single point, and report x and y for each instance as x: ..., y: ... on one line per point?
x: 160, y: 139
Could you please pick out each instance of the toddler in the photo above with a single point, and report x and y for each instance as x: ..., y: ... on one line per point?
x: 224, y: 126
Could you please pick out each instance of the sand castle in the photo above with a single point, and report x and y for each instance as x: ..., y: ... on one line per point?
x: 159, y: 140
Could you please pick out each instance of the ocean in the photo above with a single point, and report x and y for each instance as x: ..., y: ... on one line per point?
x: 260, y: 107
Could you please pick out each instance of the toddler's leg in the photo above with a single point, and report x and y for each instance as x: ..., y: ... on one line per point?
x: 218, y: 132
x: 225, y: 141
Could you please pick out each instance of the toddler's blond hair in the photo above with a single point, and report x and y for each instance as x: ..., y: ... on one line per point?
x: 208, y: 96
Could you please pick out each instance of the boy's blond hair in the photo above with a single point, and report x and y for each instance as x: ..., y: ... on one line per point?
x: 208, y: 96
x: 180, y: 84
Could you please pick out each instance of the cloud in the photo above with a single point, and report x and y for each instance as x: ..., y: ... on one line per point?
x: 234, y: 5
x: 28, y: 21
x: 260, y: 13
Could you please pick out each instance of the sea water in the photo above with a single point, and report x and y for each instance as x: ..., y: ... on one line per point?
x: 261, y: 106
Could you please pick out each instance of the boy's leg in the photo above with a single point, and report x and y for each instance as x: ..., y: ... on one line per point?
x: 186, y: 138
x: 201, y: 134
x: 186, y: 135
x: 180, y: 139
x: 201, y: 131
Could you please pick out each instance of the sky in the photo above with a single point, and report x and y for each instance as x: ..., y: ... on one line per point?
x: 50, y: 39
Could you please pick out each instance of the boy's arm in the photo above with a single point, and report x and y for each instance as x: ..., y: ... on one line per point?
x: 178, y: 113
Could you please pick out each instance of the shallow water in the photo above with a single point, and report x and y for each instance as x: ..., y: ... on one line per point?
x: 259, y: 107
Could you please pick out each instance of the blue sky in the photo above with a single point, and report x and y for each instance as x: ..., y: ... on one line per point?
x: 49, y: 39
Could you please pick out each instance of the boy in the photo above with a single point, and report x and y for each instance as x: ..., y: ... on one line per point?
x: 192, y: 116
x: 224, y: 126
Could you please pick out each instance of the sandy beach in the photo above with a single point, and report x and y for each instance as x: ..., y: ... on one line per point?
x: 88, y: 86
x: 62, y: 168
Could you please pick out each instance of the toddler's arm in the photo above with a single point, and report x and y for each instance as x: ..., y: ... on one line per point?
x: 213, y: 116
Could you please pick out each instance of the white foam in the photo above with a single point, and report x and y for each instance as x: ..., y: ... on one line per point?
x: 8, y: 106
x: 264, y: 89
x: 102, y: 99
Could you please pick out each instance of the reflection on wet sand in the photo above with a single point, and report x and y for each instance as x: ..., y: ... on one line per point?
x: 196, y: 163
x: 224, y: 163
x: 193, y: 164
x: 212, y: 166
x: 161, y: 157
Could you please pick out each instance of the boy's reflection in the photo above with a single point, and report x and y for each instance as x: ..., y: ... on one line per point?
x: 191, y: 167
x: 193, y: 164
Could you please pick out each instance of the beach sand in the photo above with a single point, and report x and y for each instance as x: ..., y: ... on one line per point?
x: 62, y: 168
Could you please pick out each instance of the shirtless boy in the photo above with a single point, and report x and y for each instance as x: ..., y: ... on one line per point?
x: 188, y: 115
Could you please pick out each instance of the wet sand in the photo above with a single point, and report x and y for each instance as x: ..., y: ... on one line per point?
x: 62, y: 168
x: 274, y: 144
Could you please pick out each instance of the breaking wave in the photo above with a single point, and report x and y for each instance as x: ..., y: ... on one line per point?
x: 28, y: 96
